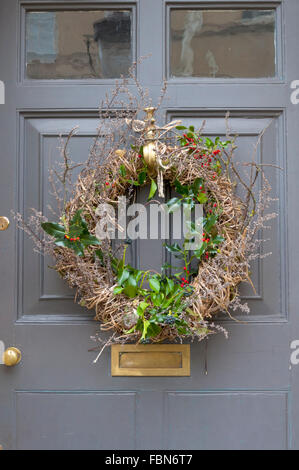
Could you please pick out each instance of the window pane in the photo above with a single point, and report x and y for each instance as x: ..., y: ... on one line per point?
x: 78, y: 44
x: 222, y: 43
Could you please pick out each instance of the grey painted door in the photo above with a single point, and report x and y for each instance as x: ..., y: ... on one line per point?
x: 56, y: 398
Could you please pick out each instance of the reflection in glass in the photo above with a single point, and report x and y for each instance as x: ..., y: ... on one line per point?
x: 78, y: 44
x: 222, y: 43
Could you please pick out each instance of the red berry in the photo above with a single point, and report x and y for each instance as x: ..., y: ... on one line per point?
x: 107, y: 184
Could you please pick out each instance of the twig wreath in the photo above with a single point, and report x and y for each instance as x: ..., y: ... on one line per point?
x: 181, y: 302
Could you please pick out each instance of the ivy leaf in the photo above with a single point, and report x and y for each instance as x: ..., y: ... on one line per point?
x: 154, y: 284
x: 141, y: 308
x: 130, y: 287
x: 123, y: 276
x: 118, y: 290
x: 146, y: 324
x: 182, y: 330
x: 181, y: 128
x: 152, y: 190
x: 170, y: 286
x: 153, y: 330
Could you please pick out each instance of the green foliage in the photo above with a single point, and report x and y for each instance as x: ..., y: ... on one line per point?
x: 77, y: 237
x: 122, y: 170
x: 152, y: 190
x: 191, y: 194
x: 161, y: 299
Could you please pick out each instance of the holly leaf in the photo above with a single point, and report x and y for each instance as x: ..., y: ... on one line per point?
x: 209, y: 222
x: 218, y: 239
x: 202, y: 198
x: 142, y: 177
x: 55, y: 230
x: 78, y: 221
x: 174, y: 250
x: 181, y: 189
x: 198, y: 253
x: 173, y: 204
x: 87, y: 239
x: 196, y: 185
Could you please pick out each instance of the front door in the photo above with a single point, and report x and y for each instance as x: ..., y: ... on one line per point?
x: 58, y: 60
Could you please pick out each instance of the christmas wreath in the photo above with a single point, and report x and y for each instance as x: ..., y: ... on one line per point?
x: 182, y: 301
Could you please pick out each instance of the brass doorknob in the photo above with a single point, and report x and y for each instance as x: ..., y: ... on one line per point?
x: 4, y: 223
x: 12, y: 356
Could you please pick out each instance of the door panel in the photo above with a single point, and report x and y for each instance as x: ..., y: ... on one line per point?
x: 41, y: 292
x: 56, y: 398
x: 268, y: 303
